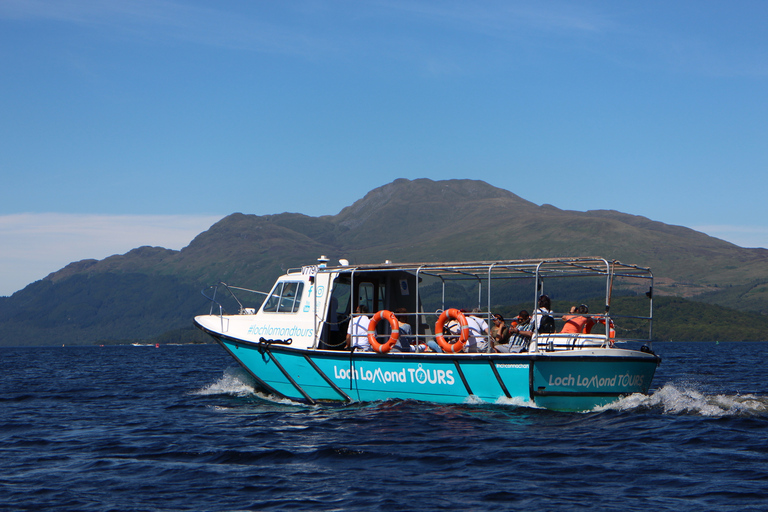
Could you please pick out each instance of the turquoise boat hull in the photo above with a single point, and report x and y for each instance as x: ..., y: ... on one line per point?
x: 568, y: 382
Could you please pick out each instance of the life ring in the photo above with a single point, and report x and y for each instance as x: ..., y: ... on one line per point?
x: 393, y: 323
x: 611, y: 327
x: 611, y: 331
x: 457, y: 315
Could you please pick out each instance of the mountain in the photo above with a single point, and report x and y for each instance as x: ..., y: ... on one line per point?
x: 151, y: 290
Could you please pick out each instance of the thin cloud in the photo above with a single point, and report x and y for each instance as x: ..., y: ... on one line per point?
x: 618, y: 33
x: 501, y: 18
x: 317, y: 30
x: 406, y: 30
x: 32, y: 245
x: 158, y: 20
x: 743, y: 236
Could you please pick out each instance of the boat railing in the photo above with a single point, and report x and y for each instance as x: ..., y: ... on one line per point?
x: 548, y: 342
x: 559, y: 341
x: 211, y: 293
x: 603, y: 336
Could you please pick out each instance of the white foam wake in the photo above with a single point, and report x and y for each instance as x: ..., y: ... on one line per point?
x: 517, y: 402
x: 672, y: 399
x: 234, y: 382
x: 237, y: 382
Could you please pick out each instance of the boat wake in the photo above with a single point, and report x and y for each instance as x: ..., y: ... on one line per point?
x: 673, y: 399
x: 680, y: 400
x: 234, y: 382
x: 238, y: 383
x: 515, y: 402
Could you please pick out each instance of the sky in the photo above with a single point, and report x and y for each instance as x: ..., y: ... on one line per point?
x: 142, y: 122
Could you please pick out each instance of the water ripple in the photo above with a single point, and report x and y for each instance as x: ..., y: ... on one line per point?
x: 181, y: 429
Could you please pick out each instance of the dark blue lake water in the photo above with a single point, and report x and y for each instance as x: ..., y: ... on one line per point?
x: 180, y: 428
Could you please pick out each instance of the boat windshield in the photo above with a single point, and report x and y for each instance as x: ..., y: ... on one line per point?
x: 285, y: 297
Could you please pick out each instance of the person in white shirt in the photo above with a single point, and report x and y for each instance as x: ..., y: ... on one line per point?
x: 357, y: 332
x: 478, y: 330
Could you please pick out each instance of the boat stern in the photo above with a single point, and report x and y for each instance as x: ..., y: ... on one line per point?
x: 573, y: 381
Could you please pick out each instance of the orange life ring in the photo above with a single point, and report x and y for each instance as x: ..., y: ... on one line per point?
x: 611, y: 333
x: 393, y: 323
x: 611, y: 330
x: 457, y: 315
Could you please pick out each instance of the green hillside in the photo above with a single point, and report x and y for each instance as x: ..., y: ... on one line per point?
x: 150, y: 291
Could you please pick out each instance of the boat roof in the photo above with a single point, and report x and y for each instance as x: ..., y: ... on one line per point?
x: 541, y: 267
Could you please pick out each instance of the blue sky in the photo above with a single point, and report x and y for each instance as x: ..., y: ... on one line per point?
x: 128, y: 123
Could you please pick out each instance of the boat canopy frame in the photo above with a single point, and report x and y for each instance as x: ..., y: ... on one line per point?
x: 489, y: 272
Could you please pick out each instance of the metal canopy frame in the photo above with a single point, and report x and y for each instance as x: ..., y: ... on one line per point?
x: 490, y: 271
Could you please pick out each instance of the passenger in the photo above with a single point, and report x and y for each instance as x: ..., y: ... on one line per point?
x: 542, y: 317
x: 500, y: 332
x: 478, y: 332
x: 451, y: 333
x: 576, y: 322
x: 357, y: 332
x: 520, y: 335
x: 406, y: 341
x: 543, y: 322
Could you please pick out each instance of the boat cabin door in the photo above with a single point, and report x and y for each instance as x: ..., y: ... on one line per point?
x: 370, y: 292
x: 375, y: 291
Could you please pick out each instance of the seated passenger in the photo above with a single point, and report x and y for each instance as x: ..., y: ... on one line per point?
x: 543, y: 321
x: 519, y: 335
x: 500, y: 332
x: 357, y: 332
x: 578, y: 323
x: 406, y: 341
x: 451, y: 333
x: 478, y: 330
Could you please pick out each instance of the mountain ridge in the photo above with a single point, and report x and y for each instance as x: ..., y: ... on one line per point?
x: 406, y: 220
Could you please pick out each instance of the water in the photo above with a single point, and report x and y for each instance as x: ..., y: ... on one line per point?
x: 180, y: 428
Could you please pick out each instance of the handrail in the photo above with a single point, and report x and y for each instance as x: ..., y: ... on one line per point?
x: 241, y: 310
x: 491, y: 275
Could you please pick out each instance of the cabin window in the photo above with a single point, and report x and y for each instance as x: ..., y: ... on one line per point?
x: 372, y: 295
x: 366, y: 295
x: 285, y: 297
x: 340, y: 298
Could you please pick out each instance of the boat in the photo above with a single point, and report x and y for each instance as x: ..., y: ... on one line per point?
x: 292, y: 339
